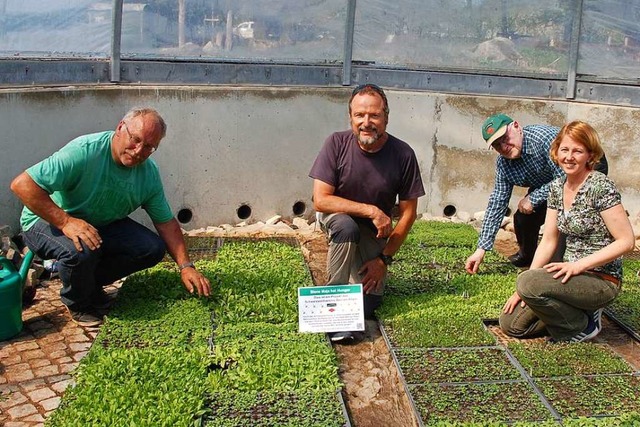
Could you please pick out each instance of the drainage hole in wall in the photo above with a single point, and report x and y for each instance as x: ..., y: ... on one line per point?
x: 449, y: 211
x: 244, y: 211
x: 185, y: 215
x: 299, y: 208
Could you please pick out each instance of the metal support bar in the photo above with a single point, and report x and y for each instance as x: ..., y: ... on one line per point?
x: 348, y: 42
x: 416, y: 412
x: 628, y: 329
x: 573, y: 50
x: 523, y: 372
x: 116, y: 38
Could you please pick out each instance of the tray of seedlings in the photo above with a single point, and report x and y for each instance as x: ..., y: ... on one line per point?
x: 455, y: 370
x: 165, y: 357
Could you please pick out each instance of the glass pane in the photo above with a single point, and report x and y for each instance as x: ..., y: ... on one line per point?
x: 55, y: 28
x: 500, y: 35
x: 286, y: 30
x: 610, y: 39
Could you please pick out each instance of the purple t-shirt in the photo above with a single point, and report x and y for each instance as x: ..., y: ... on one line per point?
x: 372, y: 178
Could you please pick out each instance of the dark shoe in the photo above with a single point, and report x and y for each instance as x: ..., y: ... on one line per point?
x: 596, y: 316
x: 102, y: 300
x: 346, y: 337
x: 520, y: 260
x: 589, y: 332
x: 341, y: 337
x: 358, y: 336
x: 84, y: 318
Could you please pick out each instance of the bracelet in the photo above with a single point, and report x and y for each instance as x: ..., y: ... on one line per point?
x: 186, y: 265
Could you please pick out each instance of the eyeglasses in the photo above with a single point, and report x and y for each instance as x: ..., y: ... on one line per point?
x: 147, y: 149
x: 497, y: 144
x: 370, y: 87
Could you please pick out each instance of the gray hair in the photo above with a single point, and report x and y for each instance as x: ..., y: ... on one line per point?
x: 143, y: 111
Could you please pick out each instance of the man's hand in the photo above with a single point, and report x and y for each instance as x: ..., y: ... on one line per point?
x: 382, y: 223
x: 41, y: 204
x: 194, y: 281
x: 525, y: 206
x: 372, y: 272
x: 473, y: 262
x: 512, y: 303
x: 79, y: 230
x: 325, y: 201
x: 172, y: 236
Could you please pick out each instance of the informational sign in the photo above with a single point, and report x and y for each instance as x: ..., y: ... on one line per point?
x: 330, y: 308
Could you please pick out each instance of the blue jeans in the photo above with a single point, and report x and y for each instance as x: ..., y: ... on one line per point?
x: 126, y: 247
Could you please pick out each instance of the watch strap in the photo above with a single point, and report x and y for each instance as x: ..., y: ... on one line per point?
x: 387, y: 259
x: 186, y: 265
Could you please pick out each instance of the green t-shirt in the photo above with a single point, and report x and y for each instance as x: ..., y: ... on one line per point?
x: 84, y: 180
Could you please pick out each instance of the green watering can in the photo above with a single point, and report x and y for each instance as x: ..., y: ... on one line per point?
x: 11, y: 288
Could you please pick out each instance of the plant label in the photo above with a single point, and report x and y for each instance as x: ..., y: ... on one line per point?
x: 331, y: 308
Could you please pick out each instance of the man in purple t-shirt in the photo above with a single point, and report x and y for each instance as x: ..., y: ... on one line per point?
x: 358, y: 176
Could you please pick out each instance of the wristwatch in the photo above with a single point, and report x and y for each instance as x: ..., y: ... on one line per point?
x: 186, y: 265
x: 387, y: 259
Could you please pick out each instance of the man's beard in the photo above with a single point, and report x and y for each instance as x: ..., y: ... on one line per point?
x: 369, y: 140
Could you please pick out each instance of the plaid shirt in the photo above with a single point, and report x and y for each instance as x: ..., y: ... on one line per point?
x: 534, y: 169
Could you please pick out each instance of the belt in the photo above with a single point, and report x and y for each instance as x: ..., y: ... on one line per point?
x: 606, y: 277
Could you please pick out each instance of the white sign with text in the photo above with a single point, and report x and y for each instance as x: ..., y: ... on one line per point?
x: 330, y: 308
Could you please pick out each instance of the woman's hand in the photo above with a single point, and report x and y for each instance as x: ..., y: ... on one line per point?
x: 512, y: 303
x: 566, y: 269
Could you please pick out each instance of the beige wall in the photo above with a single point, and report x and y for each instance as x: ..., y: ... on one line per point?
x: 233, y: 146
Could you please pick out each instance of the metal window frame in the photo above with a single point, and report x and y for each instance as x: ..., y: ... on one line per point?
x: 119, y: 70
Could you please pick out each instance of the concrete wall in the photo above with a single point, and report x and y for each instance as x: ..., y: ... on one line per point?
x: 233, y: 147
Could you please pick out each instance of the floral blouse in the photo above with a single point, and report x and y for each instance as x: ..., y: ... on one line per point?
x: 583, y: 225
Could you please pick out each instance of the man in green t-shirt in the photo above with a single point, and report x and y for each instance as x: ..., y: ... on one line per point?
x: 77, y: 206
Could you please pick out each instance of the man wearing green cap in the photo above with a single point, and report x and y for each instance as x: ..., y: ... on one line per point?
x: 523, y: 161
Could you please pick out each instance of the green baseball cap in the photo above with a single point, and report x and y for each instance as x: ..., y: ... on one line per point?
x: 494, y: 127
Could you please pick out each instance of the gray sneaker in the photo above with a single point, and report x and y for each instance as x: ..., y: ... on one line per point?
x: 84, y: 318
